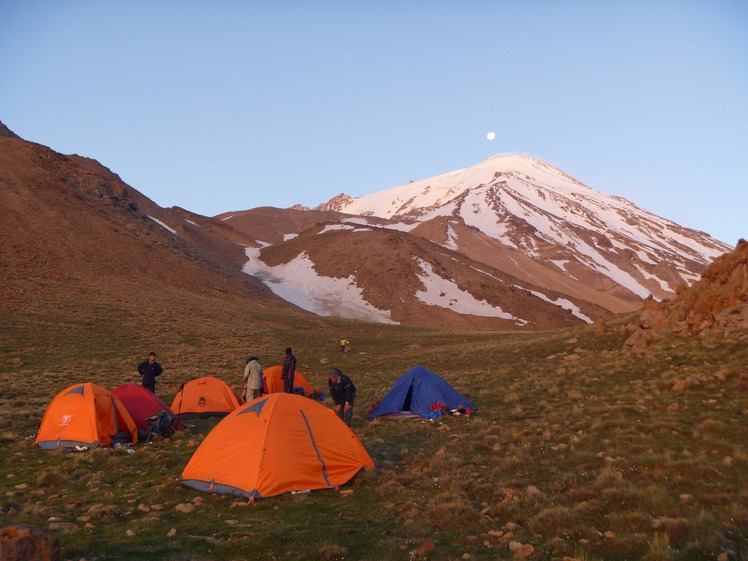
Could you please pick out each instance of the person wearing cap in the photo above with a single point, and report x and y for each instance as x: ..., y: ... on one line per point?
x: 149, y: 369
x: 252, y: 378
x: 343, y: 393
x: 289, y: 371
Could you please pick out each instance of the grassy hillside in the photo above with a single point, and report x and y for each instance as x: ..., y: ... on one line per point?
x: 579, y: 450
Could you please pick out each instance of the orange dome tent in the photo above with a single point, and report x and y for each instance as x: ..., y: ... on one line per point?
x: 85, y: 415
x: 205, y: 397
x: 275, y: 444
x: 275, y: 384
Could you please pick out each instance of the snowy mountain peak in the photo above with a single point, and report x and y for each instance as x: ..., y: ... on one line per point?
x: 417, y: 196
x: 551, y: 217
x: 509, y: 243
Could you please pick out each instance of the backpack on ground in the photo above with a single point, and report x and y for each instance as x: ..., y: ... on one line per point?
x: 160, y: 424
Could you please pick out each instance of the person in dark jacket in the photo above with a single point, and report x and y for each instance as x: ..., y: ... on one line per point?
x: 343, y: 393
x: 148, y: 370
x: 289, y: 369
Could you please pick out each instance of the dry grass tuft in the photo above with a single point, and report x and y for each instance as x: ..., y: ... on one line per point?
x: 447, y: 512
x: 331, y: 552
x: 557, y: 521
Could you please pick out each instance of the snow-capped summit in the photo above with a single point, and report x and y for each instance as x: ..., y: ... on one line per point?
x: 554, y: 219
x: 415, y: 196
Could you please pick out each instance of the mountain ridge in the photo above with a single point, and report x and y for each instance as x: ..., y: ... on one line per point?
x: 533, y: 222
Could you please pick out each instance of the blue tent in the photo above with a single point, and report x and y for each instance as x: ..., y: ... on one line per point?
x: 416, y: 392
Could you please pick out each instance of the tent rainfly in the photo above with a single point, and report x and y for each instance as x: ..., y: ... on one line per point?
x: 141, y: 404
x: 204, y: 397
x: 421, y: 392
x: 85, y: 415
x: 276, y: 444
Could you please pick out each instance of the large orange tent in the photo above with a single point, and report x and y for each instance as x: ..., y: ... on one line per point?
x: 275, y: 444
x: 85, y: 415
x: 204, y: 397
x: 275, y: 383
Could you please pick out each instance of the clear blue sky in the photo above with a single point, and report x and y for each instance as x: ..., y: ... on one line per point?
x: 218, y: 106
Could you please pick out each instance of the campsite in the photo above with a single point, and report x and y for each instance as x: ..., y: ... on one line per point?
x: 578, y: 449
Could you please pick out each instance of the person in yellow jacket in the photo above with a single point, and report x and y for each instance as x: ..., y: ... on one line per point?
x: 343, y: 345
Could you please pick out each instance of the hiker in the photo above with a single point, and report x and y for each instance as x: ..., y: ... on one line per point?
x: 343, y: 344
x: 252, y: 378
x: 289, y: 369
x: 149, y: 369
x: 343, y: 392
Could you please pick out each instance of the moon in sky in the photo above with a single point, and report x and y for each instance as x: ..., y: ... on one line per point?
x: 491, y: 135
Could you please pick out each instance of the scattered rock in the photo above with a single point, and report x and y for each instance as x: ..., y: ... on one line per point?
x: 171, y: 533
x: 424, y: 548
x: 186, y: 508
x: 99, y: 511
x: 63, y: 527
x: 520, y: 550
x: 721, y: 374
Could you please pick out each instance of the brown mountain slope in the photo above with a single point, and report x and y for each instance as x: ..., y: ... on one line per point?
x: 718, y: 302
x: 68, y: 219
x: 274, y: 225
x: 394, y: 269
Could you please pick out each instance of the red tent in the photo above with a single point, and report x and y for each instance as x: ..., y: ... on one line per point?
x: 141, y: 404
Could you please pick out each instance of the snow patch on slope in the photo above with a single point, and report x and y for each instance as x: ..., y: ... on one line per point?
x: 560, y: 302
x: 298, y: 283
x: 157, y: 221
x: 446, y: 294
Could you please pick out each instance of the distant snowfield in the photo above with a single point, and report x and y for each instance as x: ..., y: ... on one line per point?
x: 298, y: 283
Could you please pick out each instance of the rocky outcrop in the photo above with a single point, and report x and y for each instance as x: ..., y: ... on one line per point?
x: 716, y: 303
x: 5, y: 131
x: 26, y: 543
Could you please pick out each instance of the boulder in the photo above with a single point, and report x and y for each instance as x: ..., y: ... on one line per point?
x: 26, y: 543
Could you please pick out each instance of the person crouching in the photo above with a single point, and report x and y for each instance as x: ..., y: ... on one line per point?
x: 343, y: 393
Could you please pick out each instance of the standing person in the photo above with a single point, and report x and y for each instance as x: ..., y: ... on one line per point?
x: 252, y: 378
x: 289, y: 369
x: 149, y: 369
x: 343, y: 393
x: 343, y: 344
